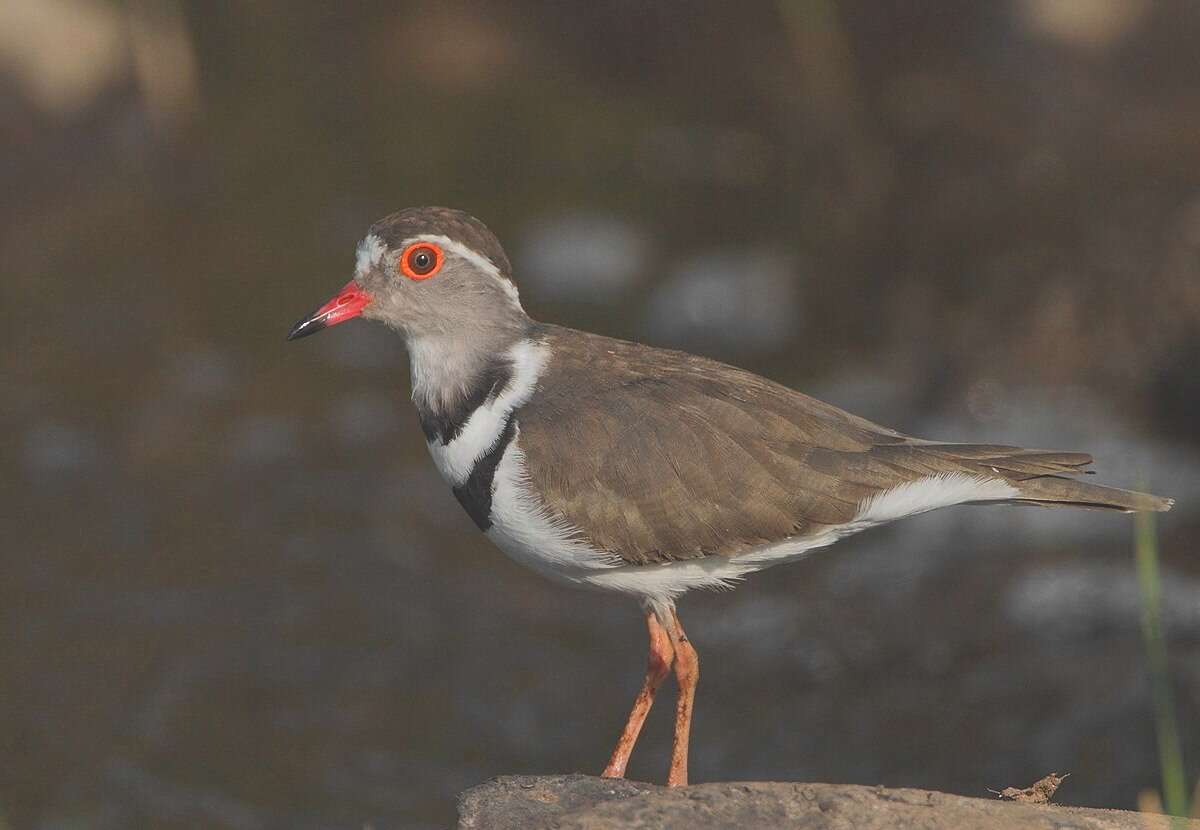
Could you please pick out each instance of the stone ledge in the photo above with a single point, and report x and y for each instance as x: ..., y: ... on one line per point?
x: 567, y: 802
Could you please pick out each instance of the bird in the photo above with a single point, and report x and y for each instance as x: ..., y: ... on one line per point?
x: 642, y: 471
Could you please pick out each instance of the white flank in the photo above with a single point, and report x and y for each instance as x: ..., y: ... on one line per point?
x: 930, y: 493
x: 908, y: 499
x: 548, y: 544
x: 371, y: 252
x: 483, y: 429
x: 525, y: 529
x: 477, y: 259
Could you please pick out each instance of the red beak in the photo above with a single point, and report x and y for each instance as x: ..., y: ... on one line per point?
x: 348, y: 304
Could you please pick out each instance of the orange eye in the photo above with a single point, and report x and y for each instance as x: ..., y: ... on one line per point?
x: 421, y: 260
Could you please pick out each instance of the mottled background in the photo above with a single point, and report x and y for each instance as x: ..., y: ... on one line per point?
x: 235, y: 593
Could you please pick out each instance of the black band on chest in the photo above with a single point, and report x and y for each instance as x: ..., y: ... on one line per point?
x: 445, y: 426
x: 475, y: 494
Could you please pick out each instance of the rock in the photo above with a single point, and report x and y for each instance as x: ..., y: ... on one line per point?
x: 580, y: 801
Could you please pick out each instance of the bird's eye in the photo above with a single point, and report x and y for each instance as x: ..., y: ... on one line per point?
x: 421, y: 260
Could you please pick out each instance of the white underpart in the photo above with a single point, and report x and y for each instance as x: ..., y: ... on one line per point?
x: 483, y: 429
x: 482, y: 263
x: 370, y: 254
x: 526, y: 531
x: 930, y: 493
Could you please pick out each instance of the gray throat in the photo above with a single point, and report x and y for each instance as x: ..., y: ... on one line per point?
x: 453, y: 375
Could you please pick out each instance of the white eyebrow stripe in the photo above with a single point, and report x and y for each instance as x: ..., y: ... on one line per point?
x: 474, y: 257
x: 370, y: 253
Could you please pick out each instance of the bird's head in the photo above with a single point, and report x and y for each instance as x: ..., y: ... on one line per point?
x: 426, y: 272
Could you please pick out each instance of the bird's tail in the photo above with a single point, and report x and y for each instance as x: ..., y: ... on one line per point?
x: 1044, y: 478
x: 1056, y: 491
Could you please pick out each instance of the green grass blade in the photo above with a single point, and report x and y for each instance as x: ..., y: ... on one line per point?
x: 1170, y: 755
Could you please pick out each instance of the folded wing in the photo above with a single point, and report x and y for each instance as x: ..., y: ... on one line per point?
x: 660, y: 456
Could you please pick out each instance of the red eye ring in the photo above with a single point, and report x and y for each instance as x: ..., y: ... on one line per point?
x: 421, y: 260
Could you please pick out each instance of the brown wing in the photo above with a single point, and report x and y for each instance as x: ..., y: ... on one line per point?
x: 659, y: 456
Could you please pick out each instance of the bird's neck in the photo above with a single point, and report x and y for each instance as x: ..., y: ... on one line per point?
x: 452, y: 374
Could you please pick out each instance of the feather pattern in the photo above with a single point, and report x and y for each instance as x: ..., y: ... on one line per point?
x: 658, y: 456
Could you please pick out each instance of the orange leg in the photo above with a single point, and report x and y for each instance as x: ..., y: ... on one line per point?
x: 658, y: 666
x: 687, y: 675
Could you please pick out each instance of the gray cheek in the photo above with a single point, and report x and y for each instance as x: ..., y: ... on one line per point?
x: 375, y: 281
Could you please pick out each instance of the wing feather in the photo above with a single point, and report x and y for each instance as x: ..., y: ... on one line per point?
x: 660, y: 456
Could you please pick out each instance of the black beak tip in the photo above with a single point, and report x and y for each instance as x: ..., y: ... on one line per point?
x: 307, y: 326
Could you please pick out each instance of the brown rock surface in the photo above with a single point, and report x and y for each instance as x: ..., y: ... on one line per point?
x: 584, y: 802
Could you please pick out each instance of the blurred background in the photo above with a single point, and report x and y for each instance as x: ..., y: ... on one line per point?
x: 235, y: 593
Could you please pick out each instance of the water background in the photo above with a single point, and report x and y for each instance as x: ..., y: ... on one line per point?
x: 234, y: 591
